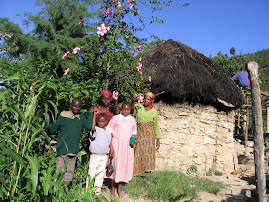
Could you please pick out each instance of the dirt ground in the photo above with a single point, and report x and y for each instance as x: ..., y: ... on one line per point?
x: 240, y: 187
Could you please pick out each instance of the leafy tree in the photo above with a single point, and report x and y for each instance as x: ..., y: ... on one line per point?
x: 232, y: 51
x: 232, y: 64
x: 42, y: 70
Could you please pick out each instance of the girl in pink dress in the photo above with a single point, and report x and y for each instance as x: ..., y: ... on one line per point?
x: 123, y: 127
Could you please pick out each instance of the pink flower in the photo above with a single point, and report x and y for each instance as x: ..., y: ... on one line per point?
x: 112, y: 1
x: 66, y: 55
x: 81, y: 21
x: 103, y: 29
x: 132, y: 6
x: 115, y: 95
x: 109, y: 12
x: 140, y: 72
x: 119, y: 5
x: 137, y: 48
x: 128, y: 1
x: 75, y: 50
x: 140, y: 98
x: 139, y: 66
x: 107, y: 27
x: 140, y: 59
x: 192, y: 186
x: 149, y: 79
x: 119, y: 54
x: 86, y: 97
x: 66, y: 71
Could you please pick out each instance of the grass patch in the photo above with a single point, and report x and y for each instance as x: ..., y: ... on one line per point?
x: 169, y: 185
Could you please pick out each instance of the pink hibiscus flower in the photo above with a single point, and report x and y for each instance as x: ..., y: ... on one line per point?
x: 66, y: 71
x: 140, y: 59
x: 66, y: 55
x: 139, y: 66
x: 119, y: 5
x: 112, y: 1
x: 149, y: 79
x: 140, y: 98
x: 128, y: 1
x: 115, y: 95
x: 109, y: 11
x: 132, y: 6
x: 137, y: 48
x: 107, y: 27
x: 75, y: 50
x: 140, y: 72
x: 81, y: 21
x: 103, y: 29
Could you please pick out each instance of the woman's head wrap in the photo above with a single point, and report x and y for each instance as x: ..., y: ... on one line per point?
x: 106, y: 93
x: 152, y: 96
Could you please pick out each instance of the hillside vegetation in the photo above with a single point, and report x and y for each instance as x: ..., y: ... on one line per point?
x: 234, y: 63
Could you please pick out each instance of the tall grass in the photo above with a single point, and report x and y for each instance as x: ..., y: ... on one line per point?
x: 170, y: 185
x: 27, y: 162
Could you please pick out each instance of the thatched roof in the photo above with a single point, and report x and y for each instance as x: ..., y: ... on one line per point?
x: 186, y: 74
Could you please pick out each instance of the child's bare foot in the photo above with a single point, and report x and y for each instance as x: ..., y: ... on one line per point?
x: 113, y: 193
x: 119, y: 193
x: 113, y: 188
x: 119, y: 190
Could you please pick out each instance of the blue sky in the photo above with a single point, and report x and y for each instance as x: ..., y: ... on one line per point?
x: 208, y: 26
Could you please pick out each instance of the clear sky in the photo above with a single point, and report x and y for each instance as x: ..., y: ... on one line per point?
x: 208, y: 26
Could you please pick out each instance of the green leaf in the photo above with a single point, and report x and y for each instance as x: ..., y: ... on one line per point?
x: 54, y: 106
x: 34, y: 172
x: 2, y: 94
x: 33, y: 139
x: 16, y: 108
x: 14, y: 76
x: 15, y: 156
x: 2, y: 179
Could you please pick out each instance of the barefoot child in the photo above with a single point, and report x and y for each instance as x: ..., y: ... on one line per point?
x: 99, y: 148
x: 70, y: 125
x: 123, y: 128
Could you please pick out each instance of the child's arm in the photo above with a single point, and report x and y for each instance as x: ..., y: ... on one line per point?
x: 133, y: 101
x: 88, y: 123
x: 94, y: 118
x: 117, y: 108
x: 55, y: 126
x: 111, y: 151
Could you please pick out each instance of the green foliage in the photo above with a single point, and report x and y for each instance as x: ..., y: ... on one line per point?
x: 37, y: 86
x: 231, y: 64
x: 209, y: 173
x: 234, y: 63
x: 218, y: 173
x: 262, y: 58
x: 171, y: 186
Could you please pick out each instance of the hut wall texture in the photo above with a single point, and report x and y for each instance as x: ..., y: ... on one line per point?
x: 195, y: 135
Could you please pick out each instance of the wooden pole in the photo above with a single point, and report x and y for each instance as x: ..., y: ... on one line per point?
x: 257, y: 132
x: 267, y: 119
x: 246, y: 129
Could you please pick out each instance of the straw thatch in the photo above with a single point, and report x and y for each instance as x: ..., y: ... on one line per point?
x: 185, y: 74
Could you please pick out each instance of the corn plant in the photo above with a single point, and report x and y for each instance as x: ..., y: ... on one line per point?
x: 27, y: 161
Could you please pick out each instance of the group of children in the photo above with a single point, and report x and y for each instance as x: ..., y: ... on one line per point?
x: 110, y: 136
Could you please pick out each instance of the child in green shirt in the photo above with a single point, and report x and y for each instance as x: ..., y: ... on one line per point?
x: 69, y: 126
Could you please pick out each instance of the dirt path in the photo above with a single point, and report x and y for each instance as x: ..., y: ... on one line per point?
x: 240, y: 187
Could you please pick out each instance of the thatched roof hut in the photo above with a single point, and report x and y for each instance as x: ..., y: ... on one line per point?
x: 186, y: 74
x: 198, y: 122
